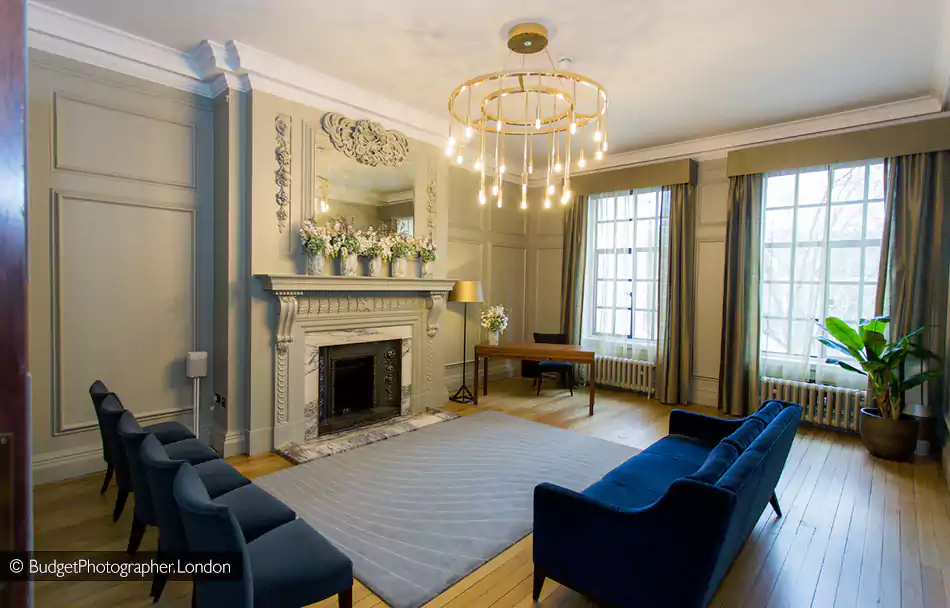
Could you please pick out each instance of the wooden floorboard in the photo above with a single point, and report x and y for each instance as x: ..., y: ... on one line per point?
x: 857, y: 531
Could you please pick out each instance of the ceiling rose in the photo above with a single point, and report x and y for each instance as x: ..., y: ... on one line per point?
x: 524, y: 105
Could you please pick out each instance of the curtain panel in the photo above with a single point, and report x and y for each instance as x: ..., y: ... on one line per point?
x: 574, y: 262
x: 674, y: 348
x: 739, y: 354
x: 915, y: 256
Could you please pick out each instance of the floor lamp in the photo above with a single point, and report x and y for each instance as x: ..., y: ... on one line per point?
x: 465, y: 292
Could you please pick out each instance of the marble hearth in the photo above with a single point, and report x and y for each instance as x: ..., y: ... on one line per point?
x: 316, y: 312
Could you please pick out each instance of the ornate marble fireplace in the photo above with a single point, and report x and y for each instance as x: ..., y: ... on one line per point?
x: 316, y: 313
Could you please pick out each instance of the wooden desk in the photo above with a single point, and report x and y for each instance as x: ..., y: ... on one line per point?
x: 567, y: 353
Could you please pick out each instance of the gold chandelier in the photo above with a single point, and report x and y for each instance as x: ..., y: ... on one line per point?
x: 522, y: 106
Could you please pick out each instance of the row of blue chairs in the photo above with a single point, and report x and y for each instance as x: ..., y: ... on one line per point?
x: 200, y: 503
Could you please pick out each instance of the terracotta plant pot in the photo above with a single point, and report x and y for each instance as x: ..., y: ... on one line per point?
x: 887, y: 438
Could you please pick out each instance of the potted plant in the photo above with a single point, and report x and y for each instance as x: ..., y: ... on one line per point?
x: 316, y: 242
x: 425, y: 247
x: 401, y: 249
x: 885, y: 430
x: 495, y: 320
x: 344, y: 242
x: 371, y: 247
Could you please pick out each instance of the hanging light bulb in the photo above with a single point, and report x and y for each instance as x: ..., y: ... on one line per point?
x: 573, y: 128
x: 558, y: 167
x: 582, y: 162
x: 459, y: 159
x: 478, y: 164
x: 565, y: 196
x: 537, y: 124
x: 604, y: 147
x: 499, y: 201
x: 501, y: 170
x: 598, y: 135
x: 468, y: 132
x: 550, y: 188
x: 599, y: 154
x: 530, y: 169
x: 449, y: 149
x: 494, y: 190
x: 481, y: 197
x: 451, y: 142
x: 547, y: 203
x: 524, y: 204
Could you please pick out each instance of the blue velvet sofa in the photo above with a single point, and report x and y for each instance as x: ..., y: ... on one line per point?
x: 663, y: 528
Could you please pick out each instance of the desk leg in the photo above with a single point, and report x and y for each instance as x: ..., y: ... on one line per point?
x: 590, y: 381
x: 485, y: 378
x: 476, y: 380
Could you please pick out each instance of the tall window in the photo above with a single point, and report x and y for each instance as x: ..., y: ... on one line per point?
x: 623, y: 267
x: 822, y: 230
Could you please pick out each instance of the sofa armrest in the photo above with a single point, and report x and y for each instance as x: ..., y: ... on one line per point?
x: 624, y: 555
x: 702, y: 427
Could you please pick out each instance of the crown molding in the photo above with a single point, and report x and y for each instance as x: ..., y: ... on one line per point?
x: 67, y: 35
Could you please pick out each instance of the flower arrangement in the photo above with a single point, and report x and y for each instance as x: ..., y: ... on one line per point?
x: 316, y: 239
x: 372, y: 244
x: 343, y: 240
x: 494, y: 318
x: 402, y: 246
x: 425, y: 247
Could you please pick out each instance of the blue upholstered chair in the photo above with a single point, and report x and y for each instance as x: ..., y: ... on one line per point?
x: 290, y: 566
x: 256, y: 511
x: 563, y: 369
x: 167, y: 431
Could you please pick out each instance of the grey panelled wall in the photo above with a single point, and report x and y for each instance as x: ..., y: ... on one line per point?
x: 120, y: 252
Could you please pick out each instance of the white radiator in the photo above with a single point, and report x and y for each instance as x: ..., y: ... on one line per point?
x: 624, y: 373
x: 822, y: 404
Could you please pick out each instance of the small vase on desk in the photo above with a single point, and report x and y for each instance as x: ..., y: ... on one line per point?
x: 428, y: 270
x: 493, y: 337
x: 400, y: 267
x: 315, y: 264
x: 349, y: 264
x: 375, y: 267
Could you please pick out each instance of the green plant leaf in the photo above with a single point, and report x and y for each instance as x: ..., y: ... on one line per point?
x: 831, y: 343
x: 877, y: 324
x: 915, y: 381
x: 922, y: 353
x: 846, y: 366
x: 874, y: 343
x: 844, y: 333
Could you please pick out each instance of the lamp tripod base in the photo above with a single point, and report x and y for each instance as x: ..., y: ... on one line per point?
x: 463, y: 395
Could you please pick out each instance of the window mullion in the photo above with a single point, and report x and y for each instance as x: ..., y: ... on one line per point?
x: 791, y: 271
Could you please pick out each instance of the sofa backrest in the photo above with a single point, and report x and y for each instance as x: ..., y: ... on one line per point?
x: 752, y: 478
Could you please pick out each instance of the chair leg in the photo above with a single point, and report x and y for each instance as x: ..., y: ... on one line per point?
x: 346, y: 598
x: 571, y: 375
x: 120, y: 499
x: 135, y: 536
x: 158, y: 585
x: 538, y: 584
x: 540, y: 376
x: 774, y: 502
x: 108, y: 479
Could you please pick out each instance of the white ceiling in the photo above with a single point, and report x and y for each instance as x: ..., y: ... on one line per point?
x: 675, y: 69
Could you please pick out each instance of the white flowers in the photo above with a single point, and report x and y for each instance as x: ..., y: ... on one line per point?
x: 338, y: 238
x: 494, y: 318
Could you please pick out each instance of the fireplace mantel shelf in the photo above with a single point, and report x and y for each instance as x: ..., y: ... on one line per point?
x: 303, y: 282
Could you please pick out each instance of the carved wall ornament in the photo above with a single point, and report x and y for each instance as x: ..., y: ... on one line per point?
x: 431, y: 189
x: 435, y: 302
x: 285, y: 324
x: 365, y: 141
x: 282, y: 175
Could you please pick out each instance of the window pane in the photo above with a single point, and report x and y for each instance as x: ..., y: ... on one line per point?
x: 646, y: 205
x: 810, y: 263
x: 778, y: 226
x: 846, y: 222
x: 813, y: 187
x: 775, y: 299
x: 777, y: 264
x: 872, y: 259
x: 807, y: 300
x: 624, y: 207
x: 847, y: 184
x: 876, y: 181
x: 843, y: 301
x: 624, y: 266
x: 643, y: 325
x: 867, y: 304
x: 605, y: 236
x: 646, y: 233
x: 605, y: 293
x: 774, y: 336
x: 624, y: 234
x: 646, y: 265
x: 845, y: 264
x: 803, y: 337
x: 605, y: 265
x: 624, y: 294
x: 780, y: 191
x: 622, y: 323
x: 646, y: 295
x: 603, y: 325
x: 811, y: 224
x: 875, y: 227
x: 605, y: 209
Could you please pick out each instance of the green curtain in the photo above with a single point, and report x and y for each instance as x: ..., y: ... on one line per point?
x: 674, y: 348
x: 739, y: 354
x: 915, y: 257
x: 574, y: 254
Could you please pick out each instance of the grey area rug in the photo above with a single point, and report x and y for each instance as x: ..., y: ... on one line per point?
x: 418, y: 512
x: 299, y: 453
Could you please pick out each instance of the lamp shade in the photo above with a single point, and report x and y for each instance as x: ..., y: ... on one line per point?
x: 467, y: 291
